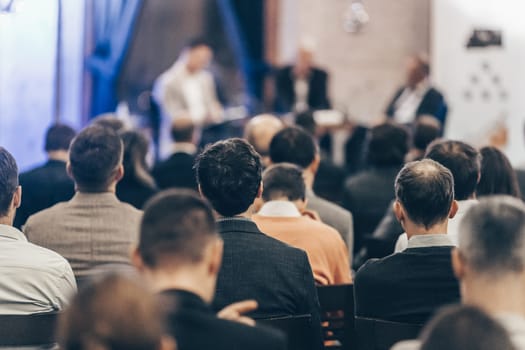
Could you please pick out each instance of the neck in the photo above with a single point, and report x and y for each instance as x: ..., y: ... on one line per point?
x: 61, y: 155
x: 309, y: 178
x: 112, y: 188
x: 495, y: 294
x: 7, y: 220
x: 413, y: 229
x: 193, y: 280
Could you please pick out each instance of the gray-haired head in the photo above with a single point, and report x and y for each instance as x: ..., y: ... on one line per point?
x: 492, y: 236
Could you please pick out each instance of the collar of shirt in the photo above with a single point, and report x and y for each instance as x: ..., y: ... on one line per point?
x: 184, y: 147
x: 11, y: 232
x: 433, y: 240
x: 279, y: 209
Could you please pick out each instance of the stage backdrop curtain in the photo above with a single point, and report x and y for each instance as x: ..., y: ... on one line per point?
x: 113, y: 24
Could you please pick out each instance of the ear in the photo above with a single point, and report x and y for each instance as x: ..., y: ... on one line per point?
x: 17, y: 197
x: 458, y: 264
x: 301, y: 204
x: 136, y: 259
x: 260, y: 190
x: 399, y: 212
x: 314, y: 166
x: 68, y: 170
x: 216, y: 251
x: 119, y: 174
x: 200, y: 191
x: 453, y: 209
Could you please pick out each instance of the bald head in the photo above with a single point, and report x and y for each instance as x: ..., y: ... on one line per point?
x: 260, y: 130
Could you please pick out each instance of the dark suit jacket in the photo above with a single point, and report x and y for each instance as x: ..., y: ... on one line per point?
x: 285, y: 89
x: 433, y: 103
x: 367, y: 196
x: 176, y: 171
x: 43, y: 187
x: 407, y: 286
x: 194, y: 326
x: 256, y: 266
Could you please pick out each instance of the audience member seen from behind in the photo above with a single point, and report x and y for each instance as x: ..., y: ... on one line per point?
x: 177, y: 170
x: 294, y: 145
x: 462, y: 328
x: 179, y: 254
x: 114, y: 313
x: 497, y: 175
x: 369, y: 193
x: 229, y: 176
x: 259, y: 132
x: 464, y: 161
x: 94, y: 228
x: 284, y: 217
x: 34, y: 279
x: 490, y: 263
x: 49, y: 183
x: 426, y: 129
x: 137, y: 185
x: 411, y: 285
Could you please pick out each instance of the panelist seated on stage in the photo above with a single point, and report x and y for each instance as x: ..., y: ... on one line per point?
x: 301, y: 86
x: 188, y: 88
x: 417, y: 97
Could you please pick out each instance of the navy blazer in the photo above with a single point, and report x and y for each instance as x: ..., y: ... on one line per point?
x: 176, y: 171
x: 276, y: 275
x: 432, y: 103
x: 195, y: 326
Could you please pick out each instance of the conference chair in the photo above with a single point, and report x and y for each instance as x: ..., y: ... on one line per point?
x: 28, y: 330
x: 373, y: 334
x: 298, y: 330
x: 337, y: 316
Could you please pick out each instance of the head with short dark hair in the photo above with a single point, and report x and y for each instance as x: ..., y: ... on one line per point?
x: 94, y: 157
x: 99, y: 317
x: 425, y: 189
x: 182, y: 130
x: 464, y: 328
x: 229, y: 175
x: 462, y: 160
x: 293, y: 145
x: 58, y: 138
x: 306, y: 121
x: 8, y: 180
x: 497, y: 175
x: 387, y: 145
x: 176, y: 227
x: 426, y: 130
x: 492, y: 236
x: 283, y: 180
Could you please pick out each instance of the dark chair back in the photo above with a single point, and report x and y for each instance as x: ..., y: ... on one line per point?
x: 375, y: 334
x: 28, y: 330
x: 298, y: 330
x: 337, y: 315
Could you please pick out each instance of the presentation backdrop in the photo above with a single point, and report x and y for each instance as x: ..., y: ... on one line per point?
x: 478, y: 50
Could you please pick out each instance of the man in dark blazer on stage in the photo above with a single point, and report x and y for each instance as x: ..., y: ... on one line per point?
x: 417, y: 97
x: 411, y: 285
x: 301, y: 86
x: 179, y: 254
x: 255, y: 266
x: 49, y: 183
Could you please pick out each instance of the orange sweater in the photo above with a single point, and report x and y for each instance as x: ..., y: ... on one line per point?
x: 326, y: 250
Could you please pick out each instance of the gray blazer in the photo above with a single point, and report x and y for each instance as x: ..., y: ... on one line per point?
x: 90, y: 230
x: 334, y: 216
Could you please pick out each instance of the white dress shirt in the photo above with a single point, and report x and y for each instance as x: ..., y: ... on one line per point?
x: 279, y: 209
x: 408, y: 102
x: 453, y: 225
x: 34, y: 279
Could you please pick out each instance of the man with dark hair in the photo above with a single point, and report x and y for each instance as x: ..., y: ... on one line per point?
x: 417, y: 97
x: 464, y: 162
x: 177, y: 170
x: 179, y: 253
x: 34, y: 279
x: 490, y: 263
x: 294, y: 145
x: 259, y: 132
x: 409, y: 286
x: 369, y: 193
x: 49, y: 183
x: 229, y: 176
x: 284, y: 217
x: 426, y: 129
x: 94, y: 228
